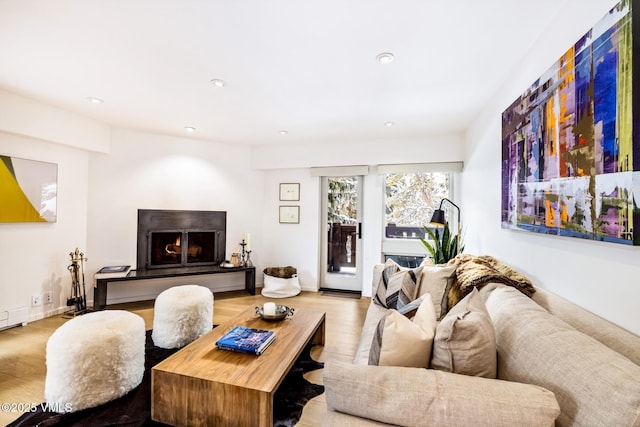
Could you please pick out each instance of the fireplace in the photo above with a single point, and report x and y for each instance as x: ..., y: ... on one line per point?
x: 168, y: 238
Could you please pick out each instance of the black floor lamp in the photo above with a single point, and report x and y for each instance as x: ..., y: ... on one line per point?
x: 438, y: 218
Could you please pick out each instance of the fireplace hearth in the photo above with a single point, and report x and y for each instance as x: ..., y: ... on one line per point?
x: 171, y: 238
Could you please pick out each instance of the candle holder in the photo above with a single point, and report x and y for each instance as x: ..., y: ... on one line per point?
x: 243, y: 254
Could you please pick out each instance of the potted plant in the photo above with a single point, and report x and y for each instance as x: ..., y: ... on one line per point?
x: 443, y: 246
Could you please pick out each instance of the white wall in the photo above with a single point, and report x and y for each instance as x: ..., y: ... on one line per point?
x: 601, y: 277
x: 292, y: 244
x: 24, y: 116
x: 34, y: 256
x: 150, y: 171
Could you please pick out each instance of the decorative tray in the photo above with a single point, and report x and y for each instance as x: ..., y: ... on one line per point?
x: 282, y: 311
x: 227, y: 264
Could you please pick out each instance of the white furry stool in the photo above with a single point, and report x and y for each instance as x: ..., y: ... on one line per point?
x: 93, y: 359
x: 181, y: 315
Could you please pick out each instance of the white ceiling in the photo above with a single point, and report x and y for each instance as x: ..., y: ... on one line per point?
x: 304, y: 66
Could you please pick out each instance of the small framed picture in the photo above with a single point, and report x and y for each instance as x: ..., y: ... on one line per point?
x: 290, y: 191
x: 289, y: 214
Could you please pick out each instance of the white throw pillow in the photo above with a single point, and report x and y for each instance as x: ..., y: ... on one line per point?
x: 399, y: 341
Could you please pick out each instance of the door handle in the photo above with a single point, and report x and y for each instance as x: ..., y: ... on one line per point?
x: 359, y: 230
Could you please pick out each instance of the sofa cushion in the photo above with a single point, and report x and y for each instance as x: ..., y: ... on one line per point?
x: 380, y: 292
x: 397, y: 285
x: 594, y: 385
x: 417, y: 397
x: 436, y: 280
x: 399, y: 341
x: 403, y: 287
x: 373, y: 316
x: 613, y: 336
x: 465, y: 341
x: 410, y: 310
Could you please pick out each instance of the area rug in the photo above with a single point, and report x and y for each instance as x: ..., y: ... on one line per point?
x: 134, y: 408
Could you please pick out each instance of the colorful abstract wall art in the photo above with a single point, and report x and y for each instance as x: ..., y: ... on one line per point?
x: 570, y: 143
x: 28, y: 190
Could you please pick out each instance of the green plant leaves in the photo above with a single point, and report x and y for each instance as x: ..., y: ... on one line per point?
x: 441, y: 248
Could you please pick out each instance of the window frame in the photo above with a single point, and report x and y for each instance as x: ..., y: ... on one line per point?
x: 407, y: 247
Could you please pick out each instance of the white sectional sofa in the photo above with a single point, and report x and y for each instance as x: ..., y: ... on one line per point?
x: 557, y: 364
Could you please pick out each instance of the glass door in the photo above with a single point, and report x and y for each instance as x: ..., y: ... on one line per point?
x: 342, y: 233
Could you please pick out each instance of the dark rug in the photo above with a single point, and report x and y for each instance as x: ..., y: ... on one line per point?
x: 134, y: 408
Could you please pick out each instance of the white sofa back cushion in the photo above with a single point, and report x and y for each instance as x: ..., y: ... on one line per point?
x: 594, y: 385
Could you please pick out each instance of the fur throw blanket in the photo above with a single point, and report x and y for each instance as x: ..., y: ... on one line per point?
x: 476, y: 271
x: 281, y: 272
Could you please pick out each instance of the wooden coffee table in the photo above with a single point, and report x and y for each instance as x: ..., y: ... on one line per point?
x: 201, y: 385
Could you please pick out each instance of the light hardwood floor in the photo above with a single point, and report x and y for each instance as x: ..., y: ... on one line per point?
x: 22, y: 349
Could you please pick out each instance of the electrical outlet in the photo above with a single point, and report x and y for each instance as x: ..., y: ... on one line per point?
x: 36, y: 300
x: 47, y: 297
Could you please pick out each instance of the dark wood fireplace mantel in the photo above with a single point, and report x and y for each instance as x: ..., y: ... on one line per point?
x: 100, y: 287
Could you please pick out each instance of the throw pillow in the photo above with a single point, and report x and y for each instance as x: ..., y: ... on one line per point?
x: 436, y: 280
x: 402, y: 287
x: 409, y: 311
x: 426, y: 261
x: 465, y: 341
x: 380, y: 294
x: 399, y: 341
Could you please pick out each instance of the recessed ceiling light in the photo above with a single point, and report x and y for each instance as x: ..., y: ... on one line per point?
x: 284, y: 132
x: 384, y: 57
x: 389, y: 124
x: 189, y: 129
x: 94, y: 100
x: 218, y: 82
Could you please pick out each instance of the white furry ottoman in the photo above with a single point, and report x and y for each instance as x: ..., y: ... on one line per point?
x: 93, y: 359
x: 181, y: 315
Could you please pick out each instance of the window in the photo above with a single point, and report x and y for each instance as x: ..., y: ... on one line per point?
x: 410, y: 199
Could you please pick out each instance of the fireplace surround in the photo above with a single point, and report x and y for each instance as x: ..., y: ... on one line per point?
x: 180, y: 238
x: 191, y: 243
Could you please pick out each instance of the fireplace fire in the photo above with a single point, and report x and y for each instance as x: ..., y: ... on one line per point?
x: 180, y: 238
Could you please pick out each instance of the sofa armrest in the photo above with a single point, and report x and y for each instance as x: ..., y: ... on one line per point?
x: 409, y: 396
x: 373, y: 316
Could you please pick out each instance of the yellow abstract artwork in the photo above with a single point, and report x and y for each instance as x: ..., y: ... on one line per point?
x: 28, y: 190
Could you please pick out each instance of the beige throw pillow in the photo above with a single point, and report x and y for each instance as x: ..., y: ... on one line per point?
x: 399, y: 341
x: 465, y: 341
x: 426, y: 261
x: 436, y: 280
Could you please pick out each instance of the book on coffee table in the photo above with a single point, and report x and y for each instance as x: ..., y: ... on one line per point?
x: 246, y: 340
